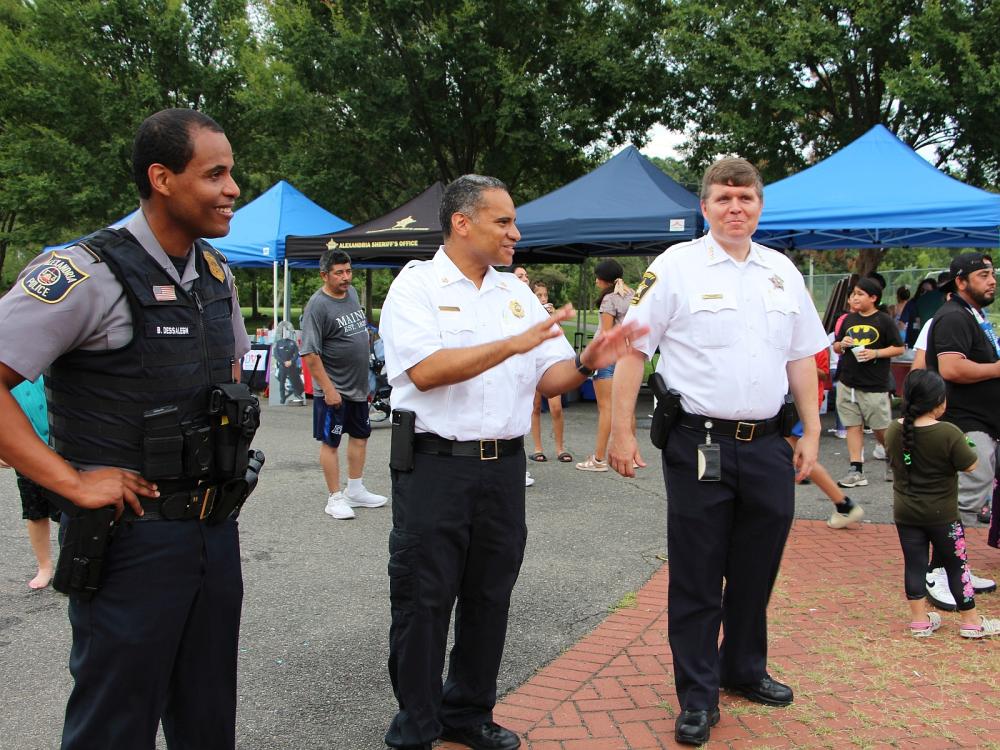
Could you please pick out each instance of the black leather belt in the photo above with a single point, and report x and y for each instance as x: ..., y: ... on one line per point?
x: 176, y: 506
x: 484, y: 450
x: 742, y: 431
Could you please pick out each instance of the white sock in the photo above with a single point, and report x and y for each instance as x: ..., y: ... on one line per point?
x: 355, y: 486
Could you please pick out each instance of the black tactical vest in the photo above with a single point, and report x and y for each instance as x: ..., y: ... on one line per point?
x: 100, y: 402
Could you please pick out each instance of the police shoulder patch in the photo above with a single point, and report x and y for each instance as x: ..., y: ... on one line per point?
x: 52, y: 279
x: 648, y: 279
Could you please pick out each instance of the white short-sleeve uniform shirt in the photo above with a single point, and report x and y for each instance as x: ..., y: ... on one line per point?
x: 726, y: 329
x: 432, y: 306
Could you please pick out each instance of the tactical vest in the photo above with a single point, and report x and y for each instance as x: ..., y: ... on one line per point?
x: 104, y: 404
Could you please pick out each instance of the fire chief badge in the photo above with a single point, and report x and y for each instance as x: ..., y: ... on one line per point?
x: 52, y: 279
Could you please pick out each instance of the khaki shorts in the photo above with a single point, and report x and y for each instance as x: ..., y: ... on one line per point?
x: 857, y: 407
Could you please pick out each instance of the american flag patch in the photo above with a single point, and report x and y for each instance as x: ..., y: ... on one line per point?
x: 165, y: 293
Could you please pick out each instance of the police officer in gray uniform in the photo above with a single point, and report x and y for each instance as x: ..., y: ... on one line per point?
x: 140, y: 335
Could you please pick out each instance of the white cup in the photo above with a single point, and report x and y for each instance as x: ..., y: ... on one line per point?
x: 856, y: 349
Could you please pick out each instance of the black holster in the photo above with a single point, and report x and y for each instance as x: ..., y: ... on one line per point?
x: 84, y: 539
x: 234, y: 493
x: 668, y: 406
x: 788, y: 417
x: 235, y: 414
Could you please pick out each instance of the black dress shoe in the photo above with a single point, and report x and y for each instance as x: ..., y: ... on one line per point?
x: 488, y: 736
x: 422, y: 746
x: 693, y: 726
x: 767, y: 690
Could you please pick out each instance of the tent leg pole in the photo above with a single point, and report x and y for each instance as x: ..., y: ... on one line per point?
x: 274, y: 303
x: 581, y: 315
x: 287, y: 311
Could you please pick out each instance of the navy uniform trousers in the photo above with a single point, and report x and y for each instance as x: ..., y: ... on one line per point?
x: 158, y: 641
x: 458, y: 533
x: 733, y: 530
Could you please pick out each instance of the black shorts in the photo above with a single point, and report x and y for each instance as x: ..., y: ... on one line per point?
x: 34, y: 506
x: 330, y: 422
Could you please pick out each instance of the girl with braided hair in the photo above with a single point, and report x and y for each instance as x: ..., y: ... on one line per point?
x: 926, y: 456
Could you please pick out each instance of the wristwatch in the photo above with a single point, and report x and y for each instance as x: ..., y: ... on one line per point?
x: 582, y: 368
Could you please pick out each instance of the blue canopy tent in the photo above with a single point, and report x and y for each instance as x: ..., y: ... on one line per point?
x: 877, y: 192
x: 627, y: 206
x: 257, y: 232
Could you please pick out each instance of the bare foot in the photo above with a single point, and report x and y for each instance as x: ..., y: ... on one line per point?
x: 41, y: 580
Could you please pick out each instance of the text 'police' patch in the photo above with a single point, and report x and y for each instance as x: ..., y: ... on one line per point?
x: 52, y: 279
x: 160, y: 330
x: 648, y: 279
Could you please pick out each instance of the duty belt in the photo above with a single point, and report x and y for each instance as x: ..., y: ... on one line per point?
x: 186, y: 505
x: 484, y: 450
x: 744, y: 431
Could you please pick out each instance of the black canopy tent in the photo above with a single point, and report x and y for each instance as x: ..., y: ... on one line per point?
x: 409, y: 231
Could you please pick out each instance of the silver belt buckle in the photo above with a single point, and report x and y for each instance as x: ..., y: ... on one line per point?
x: 484, y: 448
x: 741, y: 433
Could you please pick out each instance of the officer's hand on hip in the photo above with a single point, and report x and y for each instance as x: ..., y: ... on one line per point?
x: 622, y: 452
x: 102, y: 487
x: 611, y: 345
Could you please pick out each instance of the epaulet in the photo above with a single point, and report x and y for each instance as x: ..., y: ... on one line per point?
x: 94, y: 244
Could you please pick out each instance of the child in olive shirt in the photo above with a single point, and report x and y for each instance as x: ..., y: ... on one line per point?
x: 926, y: 456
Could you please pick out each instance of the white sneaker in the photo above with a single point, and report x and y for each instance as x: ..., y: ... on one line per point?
x: 841, y: 520
x: 364, y: 499
x: 337, y: 507
x: 592, y: 464
x: 528, y: 479
x: 853, y: 479
x: 988, y: 626
x: 982, y: 585
x: 879, y: 452
x: 938, y: 592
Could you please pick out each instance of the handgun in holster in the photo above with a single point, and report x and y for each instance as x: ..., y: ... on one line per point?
x: 84, y: 539
x: 668, y: 406
x: 788, y: 417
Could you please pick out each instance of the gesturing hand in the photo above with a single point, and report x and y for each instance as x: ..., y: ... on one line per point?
x: 610, y: 345
x: 547, y: 329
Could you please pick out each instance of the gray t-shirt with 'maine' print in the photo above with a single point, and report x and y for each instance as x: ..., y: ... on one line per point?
x: 336, y: 330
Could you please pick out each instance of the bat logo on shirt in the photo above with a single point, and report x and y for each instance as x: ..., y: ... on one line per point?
x: 863, y: 334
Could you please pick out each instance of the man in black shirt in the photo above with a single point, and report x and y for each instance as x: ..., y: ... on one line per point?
x: 963, y: 349
x: 869, y: 339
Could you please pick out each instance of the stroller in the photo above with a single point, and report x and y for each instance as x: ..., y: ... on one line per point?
x: 378, y: 383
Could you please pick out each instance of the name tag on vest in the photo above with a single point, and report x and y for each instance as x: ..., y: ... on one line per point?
x: 159, y: 330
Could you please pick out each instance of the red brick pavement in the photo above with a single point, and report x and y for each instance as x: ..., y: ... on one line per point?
x: 837, y: 635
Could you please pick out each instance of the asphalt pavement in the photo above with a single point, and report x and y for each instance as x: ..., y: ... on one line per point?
x: 314, y: 638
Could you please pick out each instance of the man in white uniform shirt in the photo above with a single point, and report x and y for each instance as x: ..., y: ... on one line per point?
x: 465, y: 348
x: 736, y: 328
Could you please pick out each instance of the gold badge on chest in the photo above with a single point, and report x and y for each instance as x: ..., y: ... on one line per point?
x: 515, y: 307
x: 213, y: 266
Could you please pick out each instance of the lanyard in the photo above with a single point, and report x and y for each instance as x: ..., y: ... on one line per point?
x: 985, y: 325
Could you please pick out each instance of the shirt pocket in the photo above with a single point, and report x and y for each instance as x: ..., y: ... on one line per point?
x: 456, y: 330
x: 781, y: 310
x: 714, y: 320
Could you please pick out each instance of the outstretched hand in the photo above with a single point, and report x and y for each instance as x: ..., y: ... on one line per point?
x: 102, y: 487
x: 547, y: 329
x: 607, y: 348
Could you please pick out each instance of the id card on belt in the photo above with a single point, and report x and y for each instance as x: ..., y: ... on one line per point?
x: 709, y: 463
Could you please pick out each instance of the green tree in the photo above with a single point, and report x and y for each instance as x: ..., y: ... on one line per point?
x: 400, y: 94
x: 78, y: 77
x: 785, y: 84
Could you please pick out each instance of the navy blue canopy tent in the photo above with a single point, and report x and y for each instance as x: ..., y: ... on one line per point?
x: 877, y: 192
x: 257, y: 232
x: 627, y: 206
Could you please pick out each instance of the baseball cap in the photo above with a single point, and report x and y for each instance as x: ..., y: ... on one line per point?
x: 962, y: 265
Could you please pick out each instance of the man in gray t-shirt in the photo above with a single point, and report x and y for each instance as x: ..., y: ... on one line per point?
x: 335, y: 349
